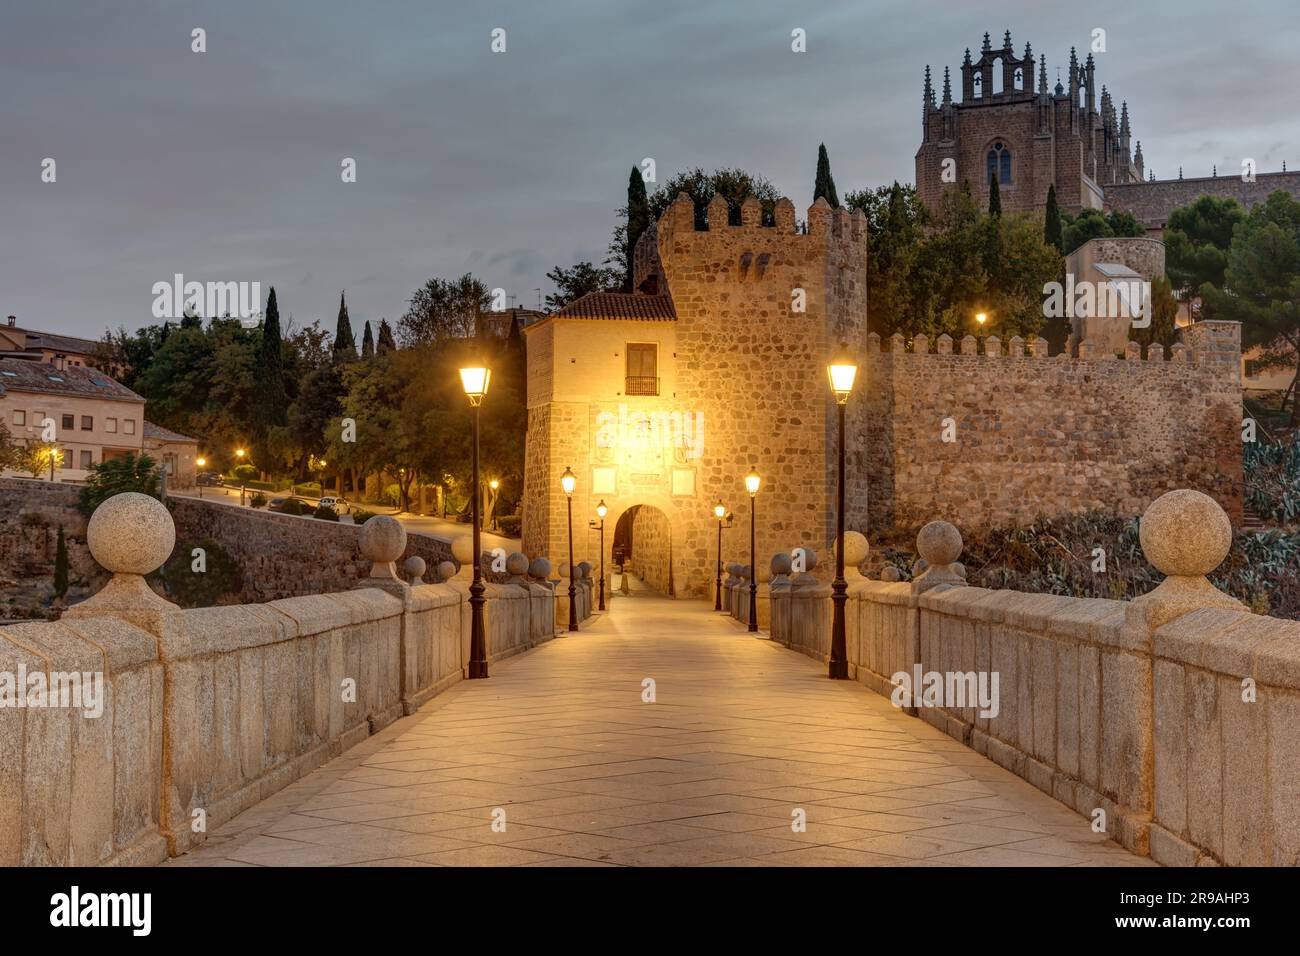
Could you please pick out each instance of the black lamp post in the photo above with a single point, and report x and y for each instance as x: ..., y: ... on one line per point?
x: 602, y: 509
x: 719, y: 512
x: 842, y: 373
x: 752, y: 483
x: 568, y: 481
x: 475, y: 381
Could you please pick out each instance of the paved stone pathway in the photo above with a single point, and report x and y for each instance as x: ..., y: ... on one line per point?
x: 742, y: 734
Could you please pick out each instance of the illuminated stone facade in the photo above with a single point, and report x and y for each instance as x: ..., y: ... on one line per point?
x: 740, y: 321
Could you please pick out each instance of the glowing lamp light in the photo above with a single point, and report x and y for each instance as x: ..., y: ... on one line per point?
x: 475, y: 382
x: 981, y: 318
x: 752, y: 483
x: 842, y: 373
x: 568, y: 481
x: 602, y: 509
x: 239, y: 453
x: 719, y: 511
x: 200, y: 462
x: 494, y: 484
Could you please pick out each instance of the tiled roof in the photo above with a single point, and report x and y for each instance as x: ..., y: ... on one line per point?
x: 620, y: 305
x: 27, y: 375
x: 159, y: 433
x: 33, y: 339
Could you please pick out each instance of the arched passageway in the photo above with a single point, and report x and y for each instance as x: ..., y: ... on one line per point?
x: 641, y: 553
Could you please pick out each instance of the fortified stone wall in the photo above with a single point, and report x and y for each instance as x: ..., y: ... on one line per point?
x: 652, y: 549
x: 1045, y: 436
x: 756, y: 368
x: 1152, y: 202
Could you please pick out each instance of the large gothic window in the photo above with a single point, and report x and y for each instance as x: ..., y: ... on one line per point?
x: 999, y: 163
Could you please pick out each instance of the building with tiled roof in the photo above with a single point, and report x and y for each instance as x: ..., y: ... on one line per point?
x: 61, y: 351
x: 85, y: 414
x: 176, y: 453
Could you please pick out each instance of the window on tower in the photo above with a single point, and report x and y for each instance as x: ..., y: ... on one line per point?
x: 999, y: 163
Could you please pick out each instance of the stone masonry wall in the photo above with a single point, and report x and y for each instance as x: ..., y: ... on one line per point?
x: 652, y: 548
x: 1152, y: 202
x: 1039, y: 436
x: 283, y: 556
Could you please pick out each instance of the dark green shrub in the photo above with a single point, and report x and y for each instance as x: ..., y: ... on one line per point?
x: 361, y: 515
x: 510, y: 525
x: 245, y: 473
x: 325, y: 513
x: 258, y: 500
x: 190, y: 587
x: 131, y: 472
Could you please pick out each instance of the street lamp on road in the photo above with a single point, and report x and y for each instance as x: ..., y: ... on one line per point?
x: 602, y: 509
x: 719, y: 512
x: 841, y: 372
x: 200, y: 463
x: 494, y: 485
x: 474, y: 380
x: 569, y: 481
x: 243, y: 489
x: 752, y: 484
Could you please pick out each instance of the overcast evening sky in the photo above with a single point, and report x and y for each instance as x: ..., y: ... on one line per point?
x: 225, y: 165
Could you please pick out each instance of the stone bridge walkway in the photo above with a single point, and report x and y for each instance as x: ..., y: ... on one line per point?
x: 741, y: 735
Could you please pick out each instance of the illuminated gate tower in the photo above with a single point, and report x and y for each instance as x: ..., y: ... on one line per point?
x: 667, y: 396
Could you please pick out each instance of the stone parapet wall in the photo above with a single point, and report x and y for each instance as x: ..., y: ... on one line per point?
x: 1041, y: 436
x: 1185, y: 732
x: 214, y: 709
x: 281, y: 556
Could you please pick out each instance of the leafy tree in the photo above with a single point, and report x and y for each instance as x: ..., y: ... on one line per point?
x: 896, y: 223
x: 367, y: 342
x: 442, y: 309
x: 995, y: 197
x: 345, y: 346
x: 824, y: 183
x: 61, y: 565
x: 11, y: 453
x: 734, y: 185
x: 1163, y: 329
x: 386, y: 341
x: 39, y: 459
x: 638, y: 220
x: 1262, y: 284
x: 131, y: 472
x: 575, y: 282
x: 1052, y: 222
x: 1197, y: 238
x: 1095, y: 224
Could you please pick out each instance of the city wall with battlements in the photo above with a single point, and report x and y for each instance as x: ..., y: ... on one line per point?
x: 1032, y: 435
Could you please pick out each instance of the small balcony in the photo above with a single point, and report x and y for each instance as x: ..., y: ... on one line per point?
x: 641, y: 385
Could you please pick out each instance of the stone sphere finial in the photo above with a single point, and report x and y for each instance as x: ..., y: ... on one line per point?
x: 462, y: 549
x: 517, y: 563
x: 781, y: 563
x: 939, y: 543
x: 446, y: 570
x: 131, y: 533
x: 1185, y: 533
x: 891, y: 574
x: 540, y: 568
x: 414, y: 568
x: 383, y: 539
x: 856, y: 548
x: 584, y: 569
x: 809, y: 558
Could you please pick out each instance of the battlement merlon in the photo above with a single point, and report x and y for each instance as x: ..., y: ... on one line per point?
x: 679, y: 217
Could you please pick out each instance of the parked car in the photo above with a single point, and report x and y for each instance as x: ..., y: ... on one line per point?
x: 208, y: 478
x: 341, y: 505
x: 290, y: 505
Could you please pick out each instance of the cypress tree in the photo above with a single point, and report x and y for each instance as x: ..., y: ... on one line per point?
x: 1052, y: 234
x: 345, y: 346
x: 61, y: 566
x: 272, y: 397
x: 824, y: 186
x: 995, y: 198
x: 638, y: 220
x: 367, y: 342
x: 386, y: 342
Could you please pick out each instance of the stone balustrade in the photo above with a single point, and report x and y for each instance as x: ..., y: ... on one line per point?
x: 205, y: 712
x: 1176, y: 715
